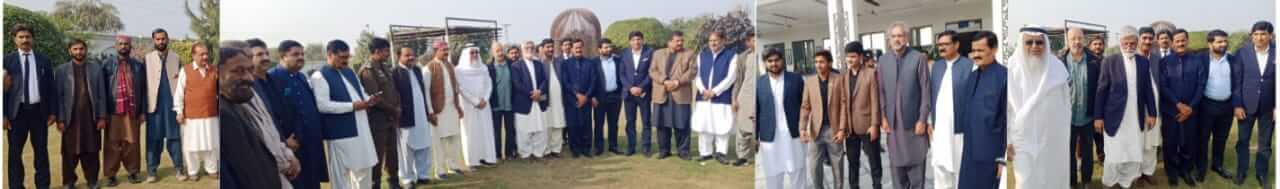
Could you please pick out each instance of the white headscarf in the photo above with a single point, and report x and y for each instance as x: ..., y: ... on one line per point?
x: 473, y: 76
x: 1033, y: 83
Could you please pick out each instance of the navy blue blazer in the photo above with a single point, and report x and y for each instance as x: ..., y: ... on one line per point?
x: 136, y: 67
x: 44, y: 69
x: 579, y: 75
x: 982, y: 115
x: 1252, y: 90
x: 521, y: 86
x: 1182, y: 80
x: 636, y: 76
x: 766, y: 122
x: 1113, y: 93
x: 621, y: 92
x: 959, y: 75
x: 404, y: 85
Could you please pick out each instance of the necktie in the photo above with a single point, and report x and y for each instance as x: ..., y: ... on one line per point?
x: 26, y: 75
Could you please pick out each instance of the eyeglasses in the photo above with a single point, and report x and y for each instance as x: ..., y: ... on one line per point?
x: 1034, y: 42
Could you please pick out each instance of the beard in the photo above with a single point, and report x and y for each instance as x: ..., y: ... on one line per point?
x: 238, y: 91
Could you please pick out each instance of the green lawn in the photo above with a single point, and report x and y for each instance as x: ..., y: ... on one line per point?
x: 166, y: 170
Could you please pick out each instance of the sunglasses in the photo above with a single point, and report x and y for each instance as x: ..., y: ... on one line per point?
x: 1034, y: 43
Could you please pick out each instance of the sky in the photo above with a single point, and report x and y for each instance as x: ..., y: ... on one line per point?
x: 318, y: 21
x: 1194, y: 15
x: 139, y: 16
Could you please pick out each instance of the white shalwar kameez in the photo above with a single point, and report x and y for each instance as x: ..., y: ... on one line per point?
x: 713, y: 121
x: 783, y: 158
x: 531, y: 131
x: 199, y: 135
x: 351, y: 158
x: 1124, y: 150
x: 415, y: 142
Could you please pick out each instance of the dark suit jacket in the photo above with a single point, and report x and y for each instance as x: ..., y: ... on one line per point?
x: 1113, y: 93
x: 618, y: 94
x: 248, y: 164
x: 959, y: 74
x: 521, y: 86
x: 1182, y: 80
x: 766, y: 120
x: 13, y: 69
x: 982, y: 119
x: 1253, y: 91
x: 636, y: 76
x: 1092, y: 65
x: 96, y: 86
x: 579, y: 76
x: 111, y: 68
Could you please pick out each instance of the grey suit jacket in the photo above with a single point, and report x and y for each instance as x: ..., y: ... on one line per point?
x: 64, y: 78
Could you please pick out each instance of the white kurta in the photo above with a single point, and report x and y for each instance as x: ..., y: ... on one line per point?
x: 198, y: 134
x: 447, y: 151
x: 1039, y: 130
x: 474, y: 86
x: 946, y: 145
x: 1124, y: 150
x: 554, y: 116
x: 784, y: 155
x: 713, y: 118
x: 1152, y: 138
x: 414, y: 143
x: 349, y: 158
x: 531, y: 128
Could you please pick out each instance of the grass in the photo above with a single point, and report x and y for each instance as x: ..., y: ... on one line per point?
x: 165, y: 172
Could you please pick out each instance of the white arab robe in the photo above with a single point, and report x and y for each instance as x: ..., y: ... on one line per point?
x: 475, y: 86
x: 1039, y: 131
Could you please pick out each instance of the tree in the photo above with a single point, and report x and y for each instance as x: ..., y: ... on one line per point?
x: 655, y: 35
x: 732, y: 26
x: 49, y: 39
x: 87, y: 16
x: 205, y: 24
x: 313, y: 52
x: 360, y: 53
x: 691, y: 28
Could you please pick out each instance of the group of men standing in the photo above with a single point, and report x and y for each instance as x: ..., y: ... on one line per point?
x: 1169, y: 103
x: 115, y: 96
x: 954, y: 108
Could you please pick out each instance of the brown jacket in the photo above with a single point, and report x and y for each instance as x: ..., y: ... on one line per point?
x: 811, y: 110
x: 376, y: 78
x: 682, y: 70
x: 437, y: 85
x: 863, y: 108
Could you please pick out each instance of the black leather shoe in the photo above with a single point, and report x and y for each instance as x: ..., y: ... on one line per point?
x: 1238, y: 181
x: 664, y: 155
x: 1190, y: 181
x: 135, y: 178
x: 740, y: 162
x: 112, y: 181
x: 1223, y: 173
x: 704, y: 158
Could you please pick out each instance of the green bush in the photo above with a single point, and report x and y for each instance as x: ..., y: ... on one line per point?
x: 655, y: 35
x: 49, y: 40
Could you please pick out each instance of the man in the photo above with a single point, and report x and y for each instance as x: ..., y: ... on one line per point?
x: 243, y: 164
x: 256, y: 110
x: 946, y: 141
x: 162, y: 121
x: 529, y: 102
x: 1253, y: 96
x: 125, y: 101
x: 448, y: 113
x: 1164, y: 40
x: 862, y: 103
x: 671, y: 74
x: 196, y: 105
x: 343, y: 107
x: 716, y: 76
x: 566, y: 49
x: 608, y: 99
x: 779, y: 98
x: 384, y: 116
x: 820, y: 128
x: 1215, y: 111
x: 30, y: 109
x: 580, y: 77
x: 474, y: 87
x: 504, y: 125
x: 555, y: 114
x: 414, y: 147
x: 1125, y: 106
x: 905, y: 77
x: 1082, y: 73
x: 81, y: 116
x: 300, y: 116
x: 635, y: 80
x: 982, y: 119
x: 1097, y: 46
x: 263, y: 84
x: 1182, y: 81
x: 743, y: 106
x: 1038, y: 94
x: 1151, y: 138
